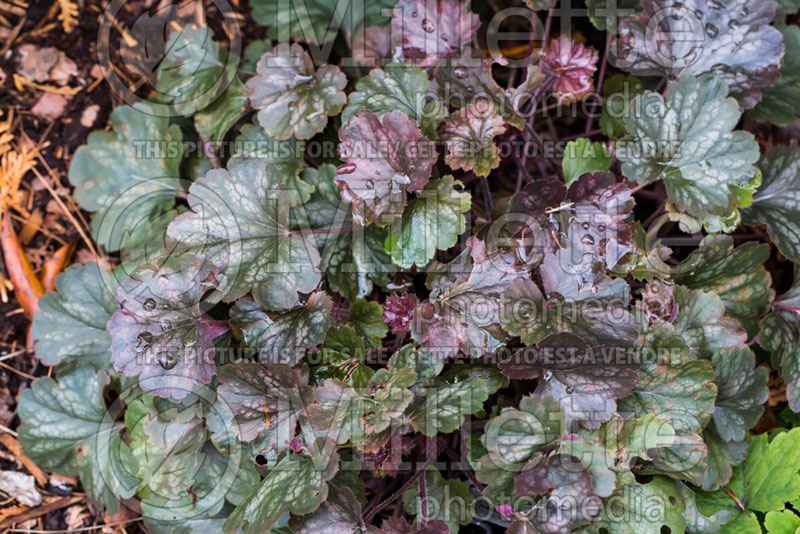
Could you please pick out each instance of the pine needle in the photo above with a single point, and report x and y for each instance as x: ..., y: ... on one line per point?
x: 68, y: 14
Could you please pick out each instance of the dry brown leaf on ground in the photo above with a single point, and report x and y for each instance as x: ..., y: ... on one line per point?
x: 54, y: 264
x: 27, y: 286
x: 45, y: 64
x: 76, y: 517
x: 31, y: 226
x: 14, y: 447
x: 11, y: 511
x: 49, y: 106
x: 21, y: 487
x: 89, y: 115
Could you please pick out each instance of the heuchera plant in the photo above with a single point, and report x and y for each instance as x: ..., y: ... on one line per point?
x: 375, y: 303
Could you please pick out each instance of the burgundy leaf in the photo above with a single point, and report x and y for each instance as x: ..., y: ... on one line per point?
x: 570, y: 502
x: 534, y: 228
x: 160, y: 333
x: 433, y: 30
x: 397, y: 312
x: 586, y: 381
x: 463, y: 312
x: 597, y: 227
x: 383, y: 158
x: 572, y: 65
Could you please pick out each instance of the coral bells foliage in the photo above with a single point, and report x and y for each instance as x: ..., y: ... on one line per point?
x: 396, y: 306
x: 572, y: 67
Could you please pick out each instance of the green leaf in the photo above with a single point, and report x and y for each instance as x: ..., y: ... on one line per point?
x: 239, y: 222
x: 367, y: 319
x: 636, y: 508
x: 441, y: 406
x: 353, y: 260
x: 432, y: 221
x: 777, y: 202
x: 766, y: 480
x: 342, y: 356
x: 297, y: 484
x: 287, y: 337
x: 346, y: 414
x: 581, y: 156
x: 776, y: 100
x: 194, y: 72
x: 128, y: 175
x: 337, y: 411
x: 469, y: 136
x: 716, y: 468
x: 70, y: 324
x: 697, y: 522
x: 286, y: 155
x: 447, y: 500
x: 783, y: 522
x: 292, y: 98
x: 514, y: 437
x: 264, y: 402
x: 677, y: 390
x: 214, y: 121
x: 66, y: 429
x: 742, y: 391
x: 618, y: 92
x: 702, y: 323
x: 607, y: 15
x: 616, y: 446
x: 736, y: 275
x: 685, y: 138
x: 425, y: 364
x: 318, y: 21
x: 398, y: 86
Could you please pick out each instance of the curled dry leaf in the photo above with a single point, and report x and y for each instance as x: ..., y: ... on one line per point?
x: 27, y: 286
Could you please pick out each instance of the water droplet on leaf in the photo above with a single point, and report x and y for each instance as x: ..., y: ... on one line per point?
x: 168, y: 361
x: 149, y: 305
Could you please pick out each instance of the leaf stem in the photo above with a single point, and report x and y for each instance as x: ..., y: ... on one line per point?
x: 326, y: 230
x: 735, y: 498
x: 600, y: 79
x: 407, y: 484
